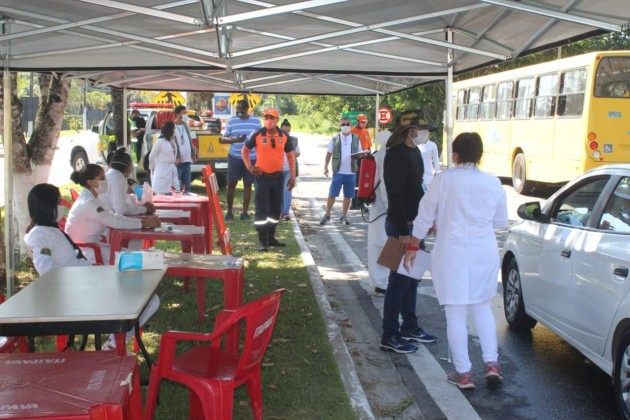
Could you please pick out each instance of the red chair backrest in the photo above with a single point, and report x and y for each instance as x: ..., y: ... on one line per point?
x: 62, y: 222
x: 74, y: 194
x: 212, y: 189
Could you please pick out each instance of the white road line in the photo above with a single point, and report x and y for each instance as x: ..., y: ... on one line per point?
x: 450, y: 400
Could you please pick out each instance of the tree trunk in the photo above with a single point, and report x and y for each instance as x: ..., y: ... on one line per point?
x: 48, y: 123
x: 119, y: 114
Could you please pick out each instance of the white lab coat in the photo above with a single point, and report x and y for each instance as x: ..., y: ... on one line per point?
x: 116, y: 197
x: 376, y: 229
x: 431, y: 160
x: 162, y: 164
x: 51, y: 249
x: 89, y: 218
x: 466, y: 205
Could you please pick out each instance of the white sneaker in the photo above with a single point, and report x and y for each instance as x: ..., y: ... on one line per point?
x: 110, y: 344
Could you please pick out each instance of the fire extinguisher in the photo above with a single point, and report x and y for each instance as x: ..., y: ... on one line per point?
x: 367, y: 173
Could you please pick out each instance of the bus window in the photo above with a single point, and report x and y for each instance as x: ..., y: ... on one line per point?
x: 524, y: 96
x: 461, y: 105
x: 472, y: 109
x: 488, y: 102
x: 572, y: 86
x: 504, y: 100
x: 612, y: 79
x: 545, y: 105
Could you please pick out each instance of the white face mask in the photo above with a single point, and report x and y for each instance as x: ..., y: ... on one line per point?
x: 61, y: 211
x: 185, y: 118
x: 421, y: 138
x: 345, y: 129
x: 102, y: 187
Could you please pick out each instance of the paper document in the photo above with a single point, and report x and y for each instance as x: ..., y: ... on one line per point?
x: 421, y: 264
x: 359, y: 153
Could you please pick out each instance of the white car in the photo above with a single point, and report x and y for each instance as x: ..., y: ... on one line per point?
x: 566, y: 266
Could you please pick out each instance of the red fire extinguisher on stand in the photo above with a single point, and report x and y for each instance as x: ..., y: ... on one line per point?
x: 367, y: 173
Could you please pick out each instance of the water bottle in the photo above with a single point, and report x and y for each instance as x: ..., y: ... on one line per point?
x: 147, y: 193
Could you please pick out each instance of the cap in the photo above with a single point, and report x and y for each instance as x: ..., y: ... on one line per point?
x: 271, y: 111
x: 362, y: 117
x: 413, y: 118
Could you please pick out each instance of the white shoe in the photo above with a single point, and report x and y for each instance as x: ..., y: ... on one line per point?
x: 110, y: 345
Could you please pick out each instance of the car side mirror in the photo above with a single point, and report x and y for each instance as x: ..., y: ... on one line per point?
x: 95, y: 129
x: 531, y: 211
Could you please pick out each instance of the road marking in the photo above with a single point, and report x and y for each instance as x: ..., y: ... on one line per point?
x: 447, y: 397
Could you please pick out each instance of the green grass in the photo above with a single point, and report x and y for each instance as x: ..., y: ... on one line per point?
x: 300, y: 377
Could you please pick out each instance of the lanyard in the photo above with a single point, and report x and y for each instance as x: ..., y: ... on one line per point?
x: 181, y: 130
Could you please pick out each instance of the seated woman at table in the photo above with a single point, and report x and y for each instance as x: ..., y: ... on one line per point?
x: 53, y: 248
x: 90, y: 219
x: 163, y: 161
x: 117, y: 196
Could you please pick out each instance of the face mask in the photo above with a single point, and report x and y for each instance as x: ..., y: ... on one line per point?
x: 102, y: 187
x: 270, y: 124
x: 345, y: 129
x: 421, y: 138
x: 185, y: 118
x: 61, y: 211
x: 240, y: 114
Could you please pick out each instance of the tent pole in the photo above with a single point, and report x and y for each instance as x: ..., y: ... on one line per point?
x: 8, y: 171
x: 125, y: 118
x: 376, y: 116
x: 449, y: 102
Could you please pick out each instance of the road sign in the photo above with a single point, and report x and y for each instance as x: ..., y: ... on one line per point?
x: 169, y: 97
x: 384, y: 115
x: 352, y: 115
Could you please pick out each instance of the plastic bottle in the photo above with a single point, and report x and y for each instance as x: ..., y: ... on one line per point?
x: 147, y: 193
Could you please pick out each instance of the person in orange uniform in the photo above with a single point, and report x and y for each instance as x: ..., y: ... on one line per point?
x: 271, y: 145
x: 366, y: 144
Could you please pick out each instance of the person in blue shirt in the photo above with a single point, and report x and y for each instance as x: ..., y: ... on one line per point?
x: 237, y: 131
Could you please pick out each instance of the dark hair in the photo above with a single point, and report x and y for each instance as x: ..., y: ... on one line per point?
x: 243, y: 102
x: 398, y: 137
x: 119, y: 159
x: 178, y: 109
x: 42, y: 205
x: 88, y: 172
x: 285, y: 122
x: 469, y: 147
x: 168, y: 130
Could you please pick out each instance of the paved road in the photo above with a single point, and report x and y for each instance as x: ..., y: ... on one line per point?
x: 545, y: 377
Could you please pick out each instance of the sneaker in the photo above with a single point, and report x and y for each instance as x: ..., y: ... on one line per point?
x: 379, y: 290
x: 110, y: 345
x: 461, y: 380
x: 229, y: 216
x: 245, y: 216
x: 397, y: 345
x: 325, y: 219
x: 286, y: 217
x: 419, y: 336
x: 492, y: 372
x: 344, y: 220
x: 262, y: 247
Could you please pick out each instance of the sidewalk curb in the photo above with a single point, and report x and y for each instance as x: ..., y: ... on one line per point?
x: 347, y: 368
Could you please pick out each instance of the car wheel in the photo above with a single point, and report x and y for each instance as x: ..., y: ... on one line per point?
x: 79, y: 160
x: 519, y: 175
x: 622, y: 375
x: 513, y: 304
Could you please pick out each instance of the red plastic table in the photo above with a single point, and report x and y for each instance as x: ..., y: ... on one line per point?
x: 205, y: 218
x: 227, y: 268
x: 70, y: 385
x: 191, y: 237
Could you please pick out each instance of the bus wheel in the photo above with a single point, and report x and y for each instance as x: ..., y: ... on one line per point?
x: 519, y: 176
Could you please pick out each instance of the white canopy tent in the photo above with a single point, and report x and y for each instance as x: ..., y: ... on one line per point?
x: 337, y: 47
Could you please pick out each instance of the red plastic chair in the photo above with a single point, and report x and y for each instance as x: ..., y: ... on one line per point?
x: 74, y: 194
x: 212, y: 189
x: 211, y: 373
x: 12, y: 344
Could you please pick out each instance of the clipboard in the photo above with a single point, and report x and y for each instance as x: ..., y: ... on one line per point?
x: 363, y: 152
x: 391, y: 256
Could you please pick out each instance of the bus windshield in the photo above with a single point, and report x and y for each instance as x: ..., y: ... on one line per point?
x: 612, y: 79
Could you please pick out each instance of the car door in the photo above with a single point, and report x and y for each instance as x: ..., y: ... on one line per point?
x: 569, y: 215
x: 600, y: 270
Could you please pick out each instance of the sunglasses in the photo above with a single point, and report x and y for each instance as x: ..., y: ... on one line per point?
x: 345, y: 124
x: 270, y: 117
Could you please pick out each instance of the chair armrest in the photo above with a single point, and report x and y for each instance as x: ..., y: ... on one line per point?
x: 98, y: 257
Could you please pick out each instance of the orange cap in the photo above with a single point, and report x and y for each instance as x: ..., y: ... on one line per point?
x: 362, y: 117
x: 272, y: 112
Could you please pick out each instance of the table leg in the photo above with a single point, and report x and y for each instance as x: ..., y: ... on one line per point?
x: 233, y: 299
x: 200, y: 287
x: 143, y: 349
x: 31, y: 344
x: 134, y: 407
x: 186, y: 249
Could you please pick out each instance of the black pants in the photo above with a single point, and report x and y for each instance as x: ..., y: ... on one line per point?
x: 140, y: 140
x: 268, y: 200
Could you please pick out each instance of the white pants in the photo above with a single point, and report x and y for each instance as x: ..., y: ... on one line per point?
x: 457, y: 333
x: 148, y: 312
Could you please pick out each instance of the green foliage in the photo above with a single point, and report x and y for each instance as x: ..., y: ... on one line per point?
x: 98, y: 100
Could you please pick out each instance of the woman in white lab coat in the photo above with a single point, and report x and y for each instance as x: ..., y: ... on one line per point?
x: 163, y: 161
x: 117, y: 196
x: 53, y: 248
x: 90, y: 219
x: 466, y: 205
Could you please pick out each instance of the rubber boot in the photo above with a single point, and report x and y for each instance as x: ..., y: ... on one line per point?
x: 272, y: 241
x: 263, y: 241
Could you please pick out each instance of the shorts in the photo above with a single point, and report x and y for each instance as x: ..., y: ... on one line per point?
x: 347, y: 180
x: 237, y: 170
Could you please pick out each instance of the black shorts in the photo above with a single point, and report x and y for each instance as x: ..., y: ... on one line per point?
x: 237, y: 170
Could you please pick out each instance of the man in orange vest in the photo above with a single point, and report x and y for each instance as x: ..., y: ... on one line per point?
x: 366, y: 144
x: 271, y: 145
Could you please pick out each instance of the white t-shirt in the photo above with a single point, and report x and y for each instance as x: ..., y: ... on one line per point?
x: 183, y: 143
x: 345, y: 166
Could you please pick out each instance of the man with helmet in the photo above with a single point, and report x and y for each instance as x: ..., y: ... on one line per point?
x: 366, y: 144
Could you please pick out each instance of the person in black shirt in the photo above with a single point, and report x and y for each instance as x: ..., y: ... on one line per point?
x: 403, y: 170
x: 139, y: 131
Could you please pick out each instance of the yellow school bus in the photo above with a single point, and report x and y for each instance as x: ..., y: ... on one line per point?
x: 549, y: 122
